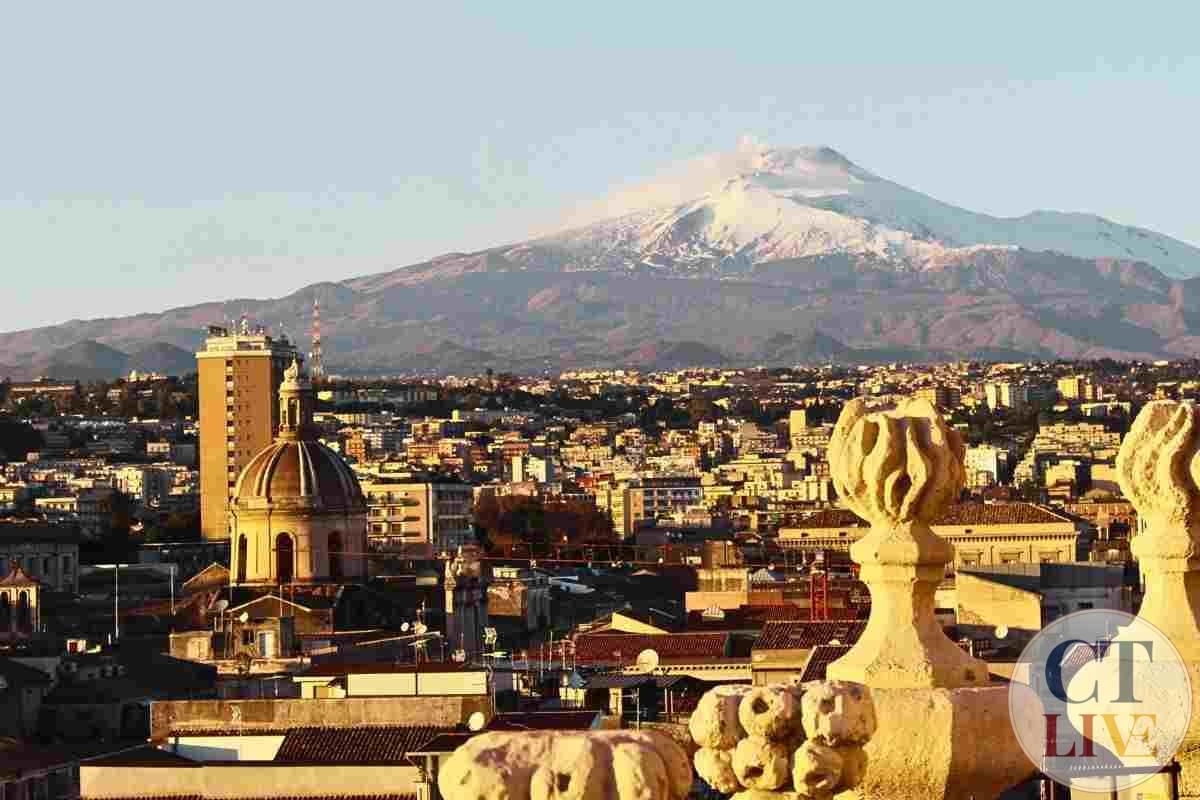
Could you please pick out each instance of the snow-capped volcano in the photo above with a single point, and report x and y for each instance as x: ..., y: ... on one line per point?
x: 755, y: 256
x: 758, y: 204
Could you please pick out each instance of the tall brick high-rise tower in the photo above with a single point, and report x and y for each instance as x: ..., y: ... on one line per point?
x: 239, y: 374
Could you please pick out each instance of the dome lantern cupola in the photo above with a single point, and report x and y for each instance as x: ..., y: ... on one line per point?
x: 299, y: 515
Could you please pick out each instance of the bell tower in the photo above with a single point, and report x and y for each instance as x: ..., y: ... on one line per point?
x: 295, y: 402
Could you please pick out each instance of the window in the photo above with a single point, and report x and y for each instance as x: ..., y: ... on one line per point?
x: 335, y: 556
x: 241, y: 559
x: 24, y: 613
x: 285, y: 560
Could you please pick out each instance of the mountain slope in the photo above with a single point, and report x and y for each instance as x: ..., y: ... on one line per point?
x: 761, y: 255
x: 761, y: 204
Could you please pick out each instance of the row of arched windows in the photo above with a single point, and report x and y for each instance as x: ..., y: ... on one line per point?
x: 23, y: 613
x: 285, y: 558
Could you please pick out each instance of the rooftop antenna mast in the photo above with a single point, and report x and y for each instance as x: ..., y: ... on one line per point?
x: 316, y: 362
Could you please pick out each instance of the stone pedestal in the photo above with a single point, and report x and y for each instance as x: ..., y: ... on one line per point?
x: 942, y: 743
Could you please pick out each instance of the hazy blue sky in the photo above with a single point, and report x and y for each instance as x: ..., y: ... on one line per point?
x: 159, y: 154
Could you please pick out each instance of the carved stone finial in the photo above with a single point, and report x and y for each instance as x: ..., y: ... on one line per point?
x: 897, y: 466
x: 1158, y: 468
x: 1159, y: 463
x: 783, y: 741
x: 898, y: 469
x: 543, y: 765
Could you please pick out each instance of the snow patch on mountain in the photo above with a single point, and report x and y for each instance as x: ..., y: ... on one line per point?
x: 757, y: 204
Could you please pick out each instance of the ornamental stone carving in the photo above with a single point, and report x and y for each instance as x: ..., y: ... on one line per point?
x: 544, y: 765
x: 778, y: 741
x: 898, y: 469
x: 1158, y: 468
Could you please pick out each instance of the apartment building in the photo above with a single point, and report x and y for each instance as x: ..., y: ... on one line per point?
x: 420, y: 517
x: 239, y: 376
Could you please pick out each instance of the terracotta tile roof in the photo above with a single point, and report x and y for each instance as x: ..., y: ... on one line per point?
x: 603, y: 648
x: 827, y: 518
x: 820, y: 658
x: 807, y: 635
x: 375, y: 744
x: 999, y: 514
x: 958, y: 514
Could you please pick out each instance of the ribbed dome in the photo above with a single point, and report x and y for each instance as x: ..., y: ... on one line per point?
x: 299, y: 471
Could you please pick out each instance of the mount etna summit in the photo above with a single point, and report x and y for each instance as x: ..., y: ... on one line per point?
x: 757, y: 256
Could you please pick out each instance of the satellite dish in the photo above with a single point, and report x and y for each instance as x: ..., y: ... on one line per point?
x: 404, y: 628
x: 476, y: 721
x: 1001, y: 631
x: 221, y: 605
x: 647, y: 661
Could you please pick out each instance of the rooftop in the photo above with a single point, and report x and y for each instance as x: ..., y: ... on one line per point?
x: 384, y: 744
x: 955, y: 515
x: 807, y: 635
x: 624, y: 648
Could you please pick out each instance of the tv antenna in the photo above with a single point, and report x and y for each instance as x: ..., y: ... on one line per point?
x: 316, y: 366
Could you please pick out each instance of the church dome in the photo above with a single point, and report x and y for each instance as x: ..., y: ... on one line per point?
x: 299, y: 472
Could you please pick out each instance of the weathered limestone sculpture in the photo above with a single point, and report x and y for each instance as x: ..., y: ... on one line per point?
x: 1158, y: 468
x: 544, y: 765
x: 783, y: 741
x: 898, y: 470
x: 943, y: 730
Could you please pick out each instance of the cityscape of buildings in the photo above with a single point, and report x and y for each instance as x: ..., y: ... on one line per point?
x: 488, y: 552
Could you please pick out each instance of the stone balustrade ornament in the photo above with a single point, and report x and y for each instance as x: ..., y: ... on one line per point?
x: 783, y: 741
x: 898, y: 469
x: 1158, y: 468
x: 552, y: 765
